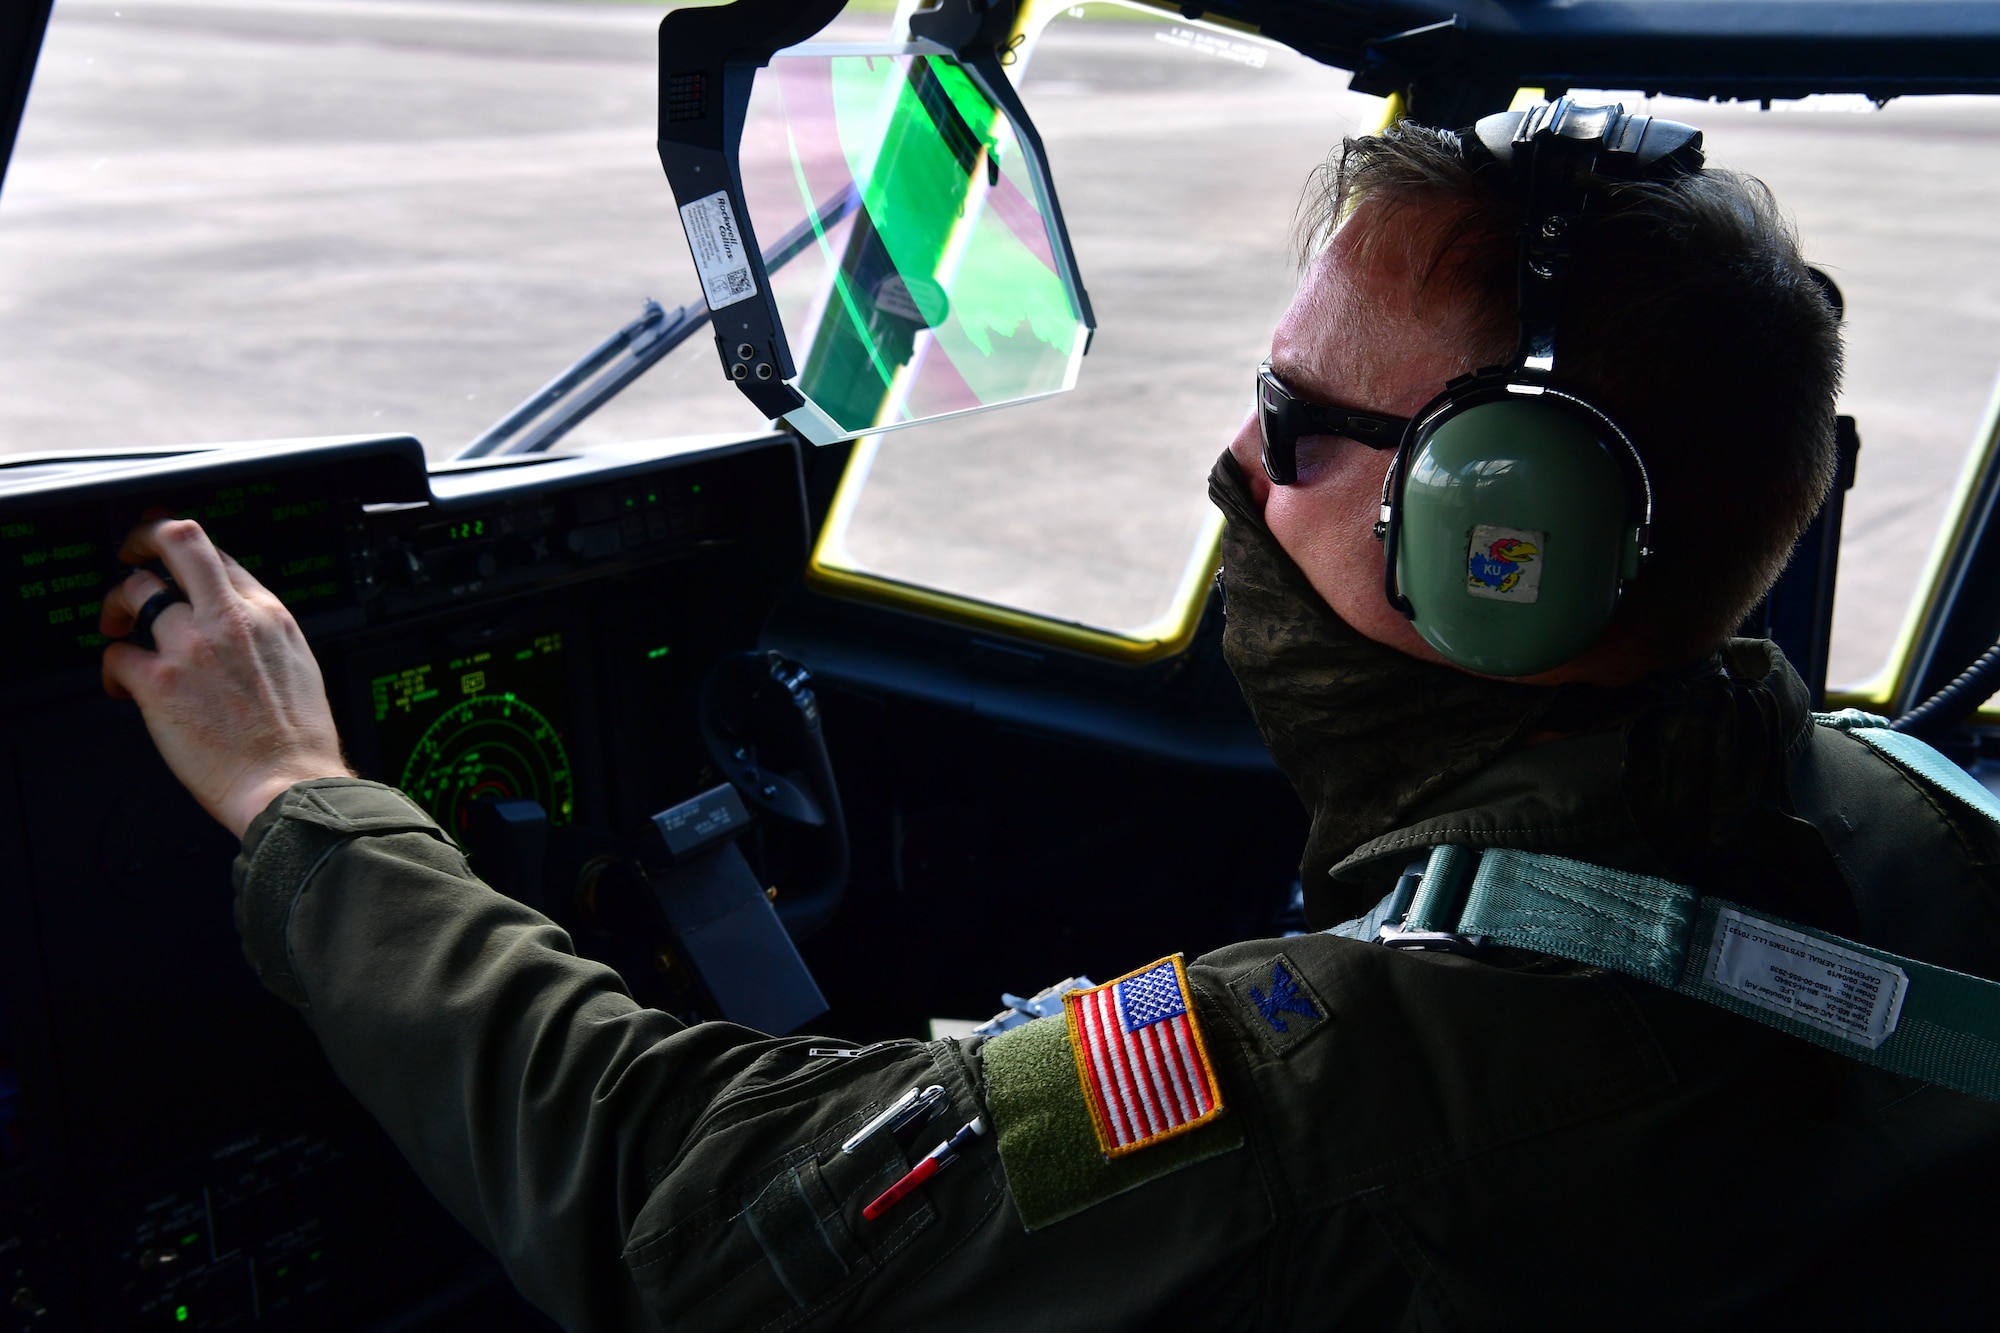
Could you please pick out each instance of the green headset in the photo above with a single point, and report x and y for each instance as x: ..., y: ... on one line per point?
x: 1516, y: 512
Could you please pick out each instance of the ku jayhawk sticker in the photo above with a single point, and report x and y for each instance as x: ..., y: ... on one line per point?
x: 1505, y: 564
x: 1140, y: 1054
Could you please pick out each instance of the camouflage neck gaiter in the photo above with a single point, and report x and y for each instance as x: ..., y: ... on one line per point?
x: 1364, y: 732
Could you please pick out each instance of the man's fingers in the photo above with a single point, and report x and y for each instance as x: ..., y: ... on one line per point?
x: 188, y: 555
x: 124, y: 613
x: 126, y: 670
x: 240, y: 578
x: 122, y: 603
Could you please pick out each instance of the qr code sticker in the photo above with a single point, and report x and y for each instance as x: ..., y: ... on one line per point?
x: 737, y: 282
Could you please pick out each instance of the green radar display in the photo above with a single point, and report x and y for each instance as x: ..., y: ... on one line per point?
x: 494, y: 747
x: 486, y: 725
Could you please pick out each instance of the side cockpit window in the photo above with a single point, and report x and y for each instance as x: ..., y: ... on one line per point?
x: 1180, y: 150
x: 1890, y: 202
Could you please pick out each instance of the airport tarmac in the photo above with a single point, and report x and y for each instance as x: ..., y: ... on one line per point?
x: 232, y: 220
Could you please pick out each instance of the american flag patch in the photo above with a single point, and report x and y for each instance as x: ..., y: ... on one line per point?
x: 1139, y: 1051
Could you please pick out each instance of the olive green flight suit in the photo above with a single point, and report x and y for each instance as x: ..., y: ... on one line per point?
x: 1430, y: 1140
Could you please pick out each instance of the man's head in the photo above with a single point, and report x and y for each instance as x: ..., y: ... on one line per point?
x: 1689, y: 317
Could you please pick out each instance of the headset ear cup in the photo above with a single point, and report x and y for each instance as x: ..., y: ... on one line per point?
x: 1516, y: 532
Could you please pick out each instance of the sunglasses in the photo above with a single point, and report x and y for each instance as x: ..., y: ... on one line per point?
x: 1282, y: 419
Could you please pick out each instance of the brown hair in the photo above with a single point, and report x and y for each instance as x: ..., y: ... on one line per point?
x: 1689, y: 317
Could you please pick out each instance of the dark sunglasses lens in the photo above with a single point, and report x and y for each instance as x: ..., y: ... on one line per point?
x: 1274, y: 423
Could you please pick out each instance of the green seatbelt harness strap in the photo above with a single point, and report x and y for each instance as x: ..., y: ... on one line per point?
x: 1896, y: 1013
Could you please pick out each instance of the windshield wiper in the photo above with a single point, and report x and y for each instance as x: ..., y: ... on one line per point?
x: 591, y: 383
x: 609, y: 367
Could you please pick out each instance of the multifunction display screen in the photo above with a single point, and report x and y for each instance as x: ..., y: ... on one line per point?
x: 488, y: 724
x: 57, y: 564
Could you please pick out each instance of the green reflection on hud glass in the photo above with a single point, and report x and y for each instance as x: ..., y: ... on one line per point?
x: 945, y: 295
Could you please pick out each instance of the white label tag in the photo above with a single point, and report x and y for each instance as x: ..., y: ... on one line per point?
x: 1836, y: 990
x: 1505, y: 564
x: 718, y: 251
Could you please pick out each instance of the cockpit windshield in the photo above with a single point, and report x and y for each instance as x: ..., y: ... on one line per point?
x: 228, y: 220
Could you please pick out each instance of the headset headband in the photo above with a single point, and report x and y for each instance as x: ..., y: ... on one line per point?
x: 1551, y: 153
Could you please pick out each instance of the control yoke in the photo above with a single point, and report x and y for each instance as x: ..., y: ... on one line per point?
x: 760, y: 721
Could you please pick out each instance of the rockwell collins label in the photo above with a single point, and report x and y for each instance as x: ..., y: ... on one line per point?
x: 717, y: 245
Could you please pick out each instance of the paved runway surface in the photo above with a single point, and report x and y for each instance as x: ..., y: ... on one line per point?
x: 236, y: 220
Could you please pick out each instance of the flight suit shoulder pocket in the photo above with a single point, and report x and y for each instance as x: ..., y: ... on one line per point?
x: 717, y: 1246
x: 771, y: 1251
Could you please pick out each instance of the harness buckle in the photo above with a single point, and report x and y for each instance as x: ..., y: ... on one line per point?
x: 1431, y: 941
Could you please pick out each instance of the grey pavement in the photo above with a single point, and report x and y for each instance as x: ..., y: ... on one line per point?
x: 231, y: 220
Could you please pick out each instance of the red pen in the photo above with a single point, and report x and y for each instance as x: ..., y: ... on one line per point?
x: 934, y: 1161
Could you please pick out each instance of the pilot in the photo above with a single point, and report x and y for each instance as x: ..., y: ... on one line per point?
x: 1667, y: 946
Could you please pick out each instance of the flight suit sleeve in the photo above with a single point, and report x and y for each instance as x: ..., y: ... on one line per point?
x: 629, y: 1171
x: 633, y: 1172
x: 503, y: 1066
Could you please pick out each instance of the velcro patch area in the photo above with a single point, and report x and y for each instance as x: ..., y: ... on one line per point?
x: 1140, y: 1058
x: 1048, y: 1143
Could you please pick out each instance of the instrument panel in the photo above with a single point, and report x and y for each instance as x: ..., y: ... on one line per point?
x: 530, y: 629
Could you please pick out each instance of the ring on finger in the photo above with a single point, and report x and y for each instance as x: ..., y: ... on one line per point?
x: 142, y: 624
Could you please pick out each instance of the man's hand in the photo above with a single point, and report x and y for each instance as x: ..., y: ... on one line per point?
x: 232, y: 696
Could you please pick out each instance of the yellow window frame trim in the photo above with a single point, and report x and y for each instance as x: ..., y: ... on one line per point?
x: 833, y: 569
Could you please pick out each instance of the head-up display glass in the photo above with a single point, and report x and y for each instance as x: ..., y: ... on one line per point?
x: 910, y: 239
